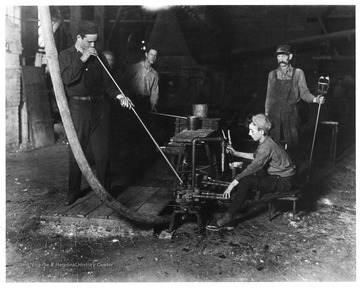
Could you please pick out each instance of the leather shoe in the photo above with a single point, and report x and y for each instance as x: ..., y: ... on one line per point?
x: 221, y: 224
x: 70, y: 200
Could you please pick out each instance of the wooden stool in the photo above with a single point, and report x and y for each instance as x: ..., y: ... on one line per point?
x: 292, y: 196
x: 333, y: 125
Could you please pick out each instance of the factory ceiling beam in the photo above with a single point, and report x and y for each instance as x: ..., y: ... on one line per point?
x: 113, y: 28
x: 301, y: 41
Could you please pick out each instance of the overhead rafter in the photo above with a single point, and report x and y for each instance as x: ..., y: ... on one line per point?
x: 301, y: 41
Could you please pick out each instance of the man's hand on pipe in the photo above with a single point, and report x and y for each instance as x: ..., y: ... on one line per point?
x: 230, y: 149
x: 91, y: 51
x: 319, y: 99
x: 125, y: 101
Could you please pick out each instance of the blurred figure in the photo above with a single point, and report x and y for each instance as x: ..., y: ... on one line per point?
x: 141, y: 82
x: 110, y: 58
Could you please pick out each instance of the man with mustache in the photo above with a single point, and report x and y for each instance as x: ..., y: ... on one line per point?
x: 286, y: 87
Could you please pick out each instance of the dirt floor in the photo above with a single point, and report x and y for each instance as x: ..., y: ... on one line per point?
x: 319, y: 244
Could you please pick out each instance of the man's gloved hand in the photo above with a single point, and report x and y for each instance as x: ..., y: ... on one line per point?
x: 319, y: 99
x: 125, y: 101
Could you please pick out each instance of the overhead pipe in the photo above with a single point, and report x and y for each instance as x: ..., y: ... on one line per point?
x: 316, y: 38
x: 54, y: 67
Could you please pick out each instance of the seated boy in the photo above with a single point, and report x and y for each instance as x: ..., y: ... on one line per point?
x: 270, y: 170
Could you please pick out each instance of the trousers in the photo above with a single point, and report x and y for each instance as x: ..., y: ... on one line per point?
x: 264, y: 182
x: 92, y: 124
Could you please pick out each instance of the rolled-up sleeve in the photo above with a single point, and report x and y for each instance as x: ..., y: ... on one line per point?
x: 262, y: 155
x: 302, y: 86
x: 270, y: 85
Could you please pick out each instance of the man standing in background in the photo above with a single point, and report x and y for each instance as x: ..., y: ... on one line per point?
x: 141, y: 82
x: 286, y: 87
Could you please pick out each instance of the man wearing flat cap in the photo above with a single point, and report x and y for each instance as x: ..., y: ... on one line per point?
x: 270, y: 170
x: 286, y: 87
x: 86, y: 83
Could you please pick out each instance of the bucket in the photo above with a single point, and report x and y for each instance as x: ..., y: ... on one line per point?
x: 200, y: 110
x: 193, y: 122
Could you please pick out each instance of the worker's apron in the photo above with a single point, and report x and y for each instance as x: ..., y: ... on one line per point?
x: 283, y: 112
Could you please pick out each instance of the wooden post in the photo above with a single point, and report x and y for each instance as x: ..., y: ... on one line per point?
x: 13, y: 50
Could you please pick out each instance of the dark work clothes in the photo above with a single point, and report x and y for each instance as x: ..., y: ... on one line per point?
x: 92, y: 122
x: 271, y: 157
x: 283, y: 94
x: 271, y: 170
x: 141, y: 102
x: 85, y: 79
x: 266, y: 184
x: 91, y: 118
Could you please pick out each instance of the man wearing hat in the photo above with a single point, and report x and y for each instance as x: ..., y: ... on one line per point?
x: 86, y: 83
x: 286, y: 86
x: 270, y: 170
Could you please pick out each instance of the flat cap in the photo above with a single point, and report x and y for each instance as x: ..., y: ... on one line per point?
x: 87, y: 27
x: 283, y: 49
x: 262, y: 121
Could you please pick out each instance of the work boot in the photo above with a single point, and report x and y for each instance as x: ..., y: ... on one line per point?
x: 221, y: 223
x: 70, y: 199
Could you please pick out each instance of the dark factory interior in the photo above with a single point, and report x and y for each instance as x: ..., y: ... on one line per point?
x: 213, y: 64
x: 219, y: 55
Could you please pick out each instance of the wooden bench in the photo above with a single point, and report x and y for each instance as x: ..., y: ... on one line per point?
x: 292, y: 196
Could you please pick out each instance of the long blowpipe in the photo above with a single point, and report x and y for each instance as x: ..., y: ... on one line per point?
x: 313, y: 143
x: 323, y: 86
x: 142, y: 123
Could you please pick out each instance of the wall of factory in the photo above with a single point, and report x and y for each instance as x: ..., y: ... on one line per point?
x: 13, y: 50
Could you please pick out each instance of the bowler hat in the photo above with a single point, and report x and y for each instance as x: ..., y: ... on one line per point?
x: 283, y: 49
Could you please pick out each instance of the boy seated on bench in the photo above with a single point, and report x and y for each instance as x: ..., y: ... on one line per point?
x: 271, y: 170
